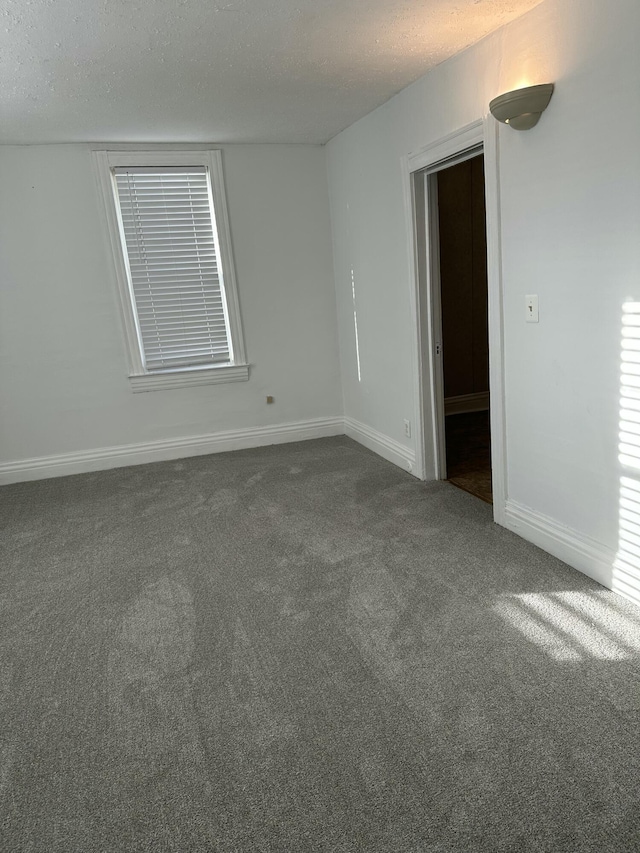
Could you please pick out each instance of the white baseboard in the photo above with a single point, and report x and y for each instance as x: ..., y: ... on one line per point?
x: 467, y: 403
x: 80, y: 462
x: 381, y: 444
x: 582, y: 553
x: 102, y: 458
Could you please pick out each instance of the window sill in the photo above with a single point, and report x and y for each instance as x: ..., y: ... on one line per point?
x: 164, y: 381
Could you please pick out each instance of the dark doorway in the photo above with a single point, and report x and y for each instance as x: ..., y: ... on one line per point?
x: 465, y: 338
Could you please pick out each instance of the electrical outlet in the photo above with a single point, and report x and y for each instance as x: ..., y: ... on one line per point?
x: 269, y: 399
x: 407, y: 428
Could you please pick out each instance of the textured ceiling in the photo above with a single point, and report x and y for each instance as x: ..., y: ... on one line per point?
x: 220, y: 70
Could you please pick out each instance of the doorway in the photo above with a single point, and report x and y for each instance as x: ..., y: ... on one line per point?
x: 423, y: 169
x: 462, y: 257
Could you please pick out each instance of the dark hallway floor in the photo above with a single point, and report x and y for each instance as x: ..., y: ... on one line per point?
x: 468, y: 441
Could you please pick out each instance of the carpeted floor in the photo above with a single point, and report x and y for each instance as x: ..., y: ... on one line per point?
x: 302, y: 648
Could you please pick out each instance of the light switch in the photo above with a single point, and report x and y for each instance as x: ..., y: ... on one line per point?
x: 532, y: 308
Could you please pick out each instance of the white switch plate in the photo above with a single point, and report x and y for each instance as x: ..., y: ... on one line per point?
x: 531, y: 302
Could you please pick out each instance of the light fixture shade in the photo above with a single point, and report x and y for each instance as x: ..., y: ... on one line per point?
x: 522, y: 108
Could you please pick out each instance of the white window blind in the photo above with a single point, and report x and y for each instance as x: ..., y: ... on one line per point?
x: 173, y: 263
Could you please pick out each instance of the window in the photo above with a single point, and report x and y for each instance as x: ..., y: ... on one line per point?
x: 169, y: 233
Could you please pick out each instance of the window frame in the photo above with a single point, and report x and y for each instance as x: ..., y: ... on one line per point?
x: 140, y: 378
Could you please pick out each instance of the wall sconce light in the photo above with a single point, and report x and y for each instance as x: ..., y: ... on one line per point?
x: 522, y: 108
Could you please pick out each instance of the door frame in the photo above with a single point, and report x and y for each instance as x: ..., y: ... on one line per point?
x: 420, y: 187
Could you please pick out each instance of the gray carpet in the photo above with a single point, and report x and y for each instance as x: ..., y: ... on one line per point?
x: 302, y: 648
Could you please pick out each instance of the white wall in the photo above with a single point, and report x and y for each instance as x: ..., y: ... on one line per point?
x: 570, y: 199
x: 63, y: 371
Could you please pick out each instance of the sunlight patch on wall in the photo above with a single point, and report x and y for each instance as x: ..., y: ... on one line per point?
x: 626, y: 568
x: 355, y: 323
